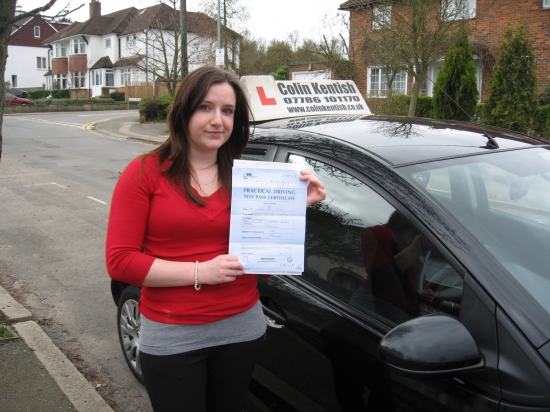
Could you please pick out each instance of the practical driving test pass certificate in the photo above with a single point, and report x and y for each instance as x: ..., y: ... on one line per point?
x: 268, y: 217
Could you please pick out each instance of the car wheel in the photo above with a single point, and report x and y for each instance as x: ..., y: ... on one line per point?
x: 129, y: 324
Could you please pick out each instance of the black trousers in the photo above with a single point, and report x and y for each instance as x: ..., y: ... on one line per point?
x: 212, y: 379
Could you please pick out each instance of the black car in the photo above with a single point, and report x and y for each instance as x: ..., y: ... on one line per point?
x: 19, y: 93
x: 427, y: 272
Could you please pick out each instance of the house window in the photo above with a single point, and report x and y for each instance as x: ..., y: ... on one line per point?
x: 546, y: 4
x: 40, y: 62
x: 125, y: 76
x: 37, y: 31
x: 458, y: 9
x: 60, y: 50
x: 78, y: 46
x: 13, y: 80
x: 130, y: 41
x: 378, y: 84
x: 96, y: 77
x: 109, y: 77
x: 107, y: 43
x: 381, y: 17
x: 78, y: 80
x: 60, y: 81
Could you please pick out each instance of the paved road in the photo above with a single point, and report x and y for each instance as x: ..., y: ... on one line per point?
x: 56, y: 181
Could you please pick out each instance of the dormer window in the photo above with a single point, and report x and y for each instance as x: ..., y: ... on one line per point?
x: 130, y: 41
x: 37, y: 32
x: 78, y: 46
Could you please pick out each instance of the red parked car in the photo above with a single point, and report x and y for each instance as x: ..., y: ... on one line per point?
x: 11, y: 100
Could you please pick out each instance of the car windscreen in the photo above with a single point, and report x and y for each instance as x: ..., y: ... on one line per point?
x: 503, y: 200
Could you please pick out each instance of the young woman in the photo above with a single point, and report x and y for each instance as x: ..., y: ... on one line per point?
x: 201, y: 321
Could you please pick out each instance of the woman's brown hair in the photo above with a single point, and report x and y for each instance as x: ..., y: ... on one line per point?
x: 190, y: 94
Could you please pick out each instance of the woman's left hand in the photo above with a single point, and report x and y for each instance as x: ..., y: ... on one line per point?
x: 315, y: 191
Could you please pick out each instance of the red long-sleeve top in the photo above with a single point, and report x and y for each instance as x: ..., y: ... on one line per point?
x: 150, y: 219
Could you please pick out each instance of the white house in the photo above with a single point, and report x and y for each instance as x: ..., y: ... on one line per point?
x: 104, y: 53
x: 28, y: 59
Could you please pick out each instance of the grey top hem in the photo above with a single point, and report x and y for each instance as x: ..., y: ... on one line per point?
x: 167, y: 339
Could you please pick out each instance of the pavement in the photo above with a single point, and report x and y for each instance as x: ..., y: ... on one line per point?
x: 34, y: 374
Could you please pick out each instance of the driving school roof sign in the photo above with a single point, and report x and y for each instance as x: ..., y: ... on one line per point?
x: 276, y: 99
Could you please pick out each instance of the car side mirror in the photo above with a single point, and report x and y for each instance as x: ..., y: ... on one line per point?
x: 430, y: 347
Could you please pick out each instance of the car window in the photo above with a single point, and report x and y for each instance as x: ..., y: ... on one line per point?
x: 252, y: 153
x: 364, y: 252
x: 503, y: 201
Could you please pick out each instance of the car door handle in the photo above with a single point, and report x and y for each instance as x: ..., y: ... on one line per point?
x: 272, y: 318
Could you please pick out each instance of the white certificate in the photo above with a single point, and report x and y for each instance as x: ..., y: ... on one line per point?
x: 268, y: 217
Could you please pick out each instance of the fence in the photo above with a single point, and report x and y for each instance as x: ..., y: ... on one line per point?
x: 143, y: 90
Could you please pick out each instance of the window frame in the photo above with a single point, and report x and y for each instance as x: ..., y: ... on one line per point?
x: 79, y: 45
x: 382, y: 16
x: 108, y: 43
x: 60, y: 50
x: 546, y: 4
x: 40, y: 62
x: 125, y: 76
x: 36, y: 32
x: 468, y: 11
x: 379, y: 89
x: 375, y: 325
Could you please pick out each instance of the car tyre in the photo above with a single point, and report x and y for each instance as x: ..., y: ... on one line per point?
x: 24, y: 104
x: 129, y: 324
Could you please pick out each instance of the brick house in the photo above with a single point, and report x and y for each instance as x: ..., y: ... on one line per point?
x: 487, y: 21
x: 28, y: 60
x: 102, y: 54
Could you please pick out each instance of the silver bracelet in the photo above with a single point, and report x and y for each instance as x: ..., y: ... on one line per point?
x: 197, y: 286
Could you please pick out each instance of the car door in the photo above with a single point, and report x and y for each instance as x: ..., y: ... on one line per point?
x: 326, y: 357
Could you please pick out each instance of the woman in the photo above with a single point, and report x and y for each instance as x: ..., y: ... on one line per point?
x: 202, y: 323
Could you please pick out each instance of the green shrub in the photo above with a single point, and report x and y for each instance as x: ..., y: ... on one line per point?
x: 544, y: 97
x: 155, y: 108
x: 397, y: 105
x: 117, y: 96
x: 425, y: 107
x: 541, y: 122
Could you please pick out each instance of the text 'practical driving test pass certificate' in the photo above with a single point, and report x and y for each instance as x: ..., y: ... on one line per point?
x: 268, y: 217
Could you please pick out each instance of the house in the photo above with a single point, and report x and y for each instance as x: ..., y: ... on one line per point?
x: 106, y: 52
x: 28, y: 59
x: 487, y: 21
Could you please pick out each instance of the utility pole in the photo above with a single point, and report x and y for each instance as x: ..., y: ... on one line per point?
x: 219, y: 51
x: 183, y: 37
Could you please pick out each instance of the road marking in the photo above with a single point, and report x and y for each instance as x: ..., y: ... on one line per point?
x: 97, y: 200
x: 90, y: 128
x: 36, y: 119
x: 45, y: 184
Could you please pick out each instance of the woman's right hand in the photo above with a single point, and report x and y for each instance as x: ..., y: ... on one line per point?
x: 221, y: 269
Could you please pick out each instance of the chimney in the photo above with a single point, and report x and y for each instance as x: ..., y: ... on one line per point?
x: 95, y: 9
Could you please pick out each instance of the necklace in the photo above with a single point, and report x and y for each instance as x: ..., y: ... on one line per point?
x: 207, y: 167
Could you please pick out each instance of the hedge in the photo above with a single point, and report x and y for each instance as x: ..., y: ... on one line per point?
x: 56, y: 94
x: 155, y: 108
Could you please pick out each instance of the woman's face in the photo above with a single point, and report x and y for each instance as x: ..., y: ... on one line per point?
x: 212, y: 122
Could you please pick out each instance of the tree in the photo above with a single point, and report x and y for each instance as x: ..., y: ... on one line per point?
x: 512, y: 89
x: 455, y: 93
x: 7, y: 19
x: 252, y: 55
x: 411, y: 34
x: 158, y: 46
x: 282, y: 73
x: 233, y: 16
x: 279, y: 53
x: 335, y: 51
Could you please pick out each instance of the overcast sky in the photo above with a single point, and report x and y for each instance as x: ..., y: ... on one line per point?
x: 268, y: 19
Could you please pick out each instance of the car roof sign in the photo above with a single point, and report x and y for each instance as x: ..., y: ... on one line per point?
x: 278, y: 99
